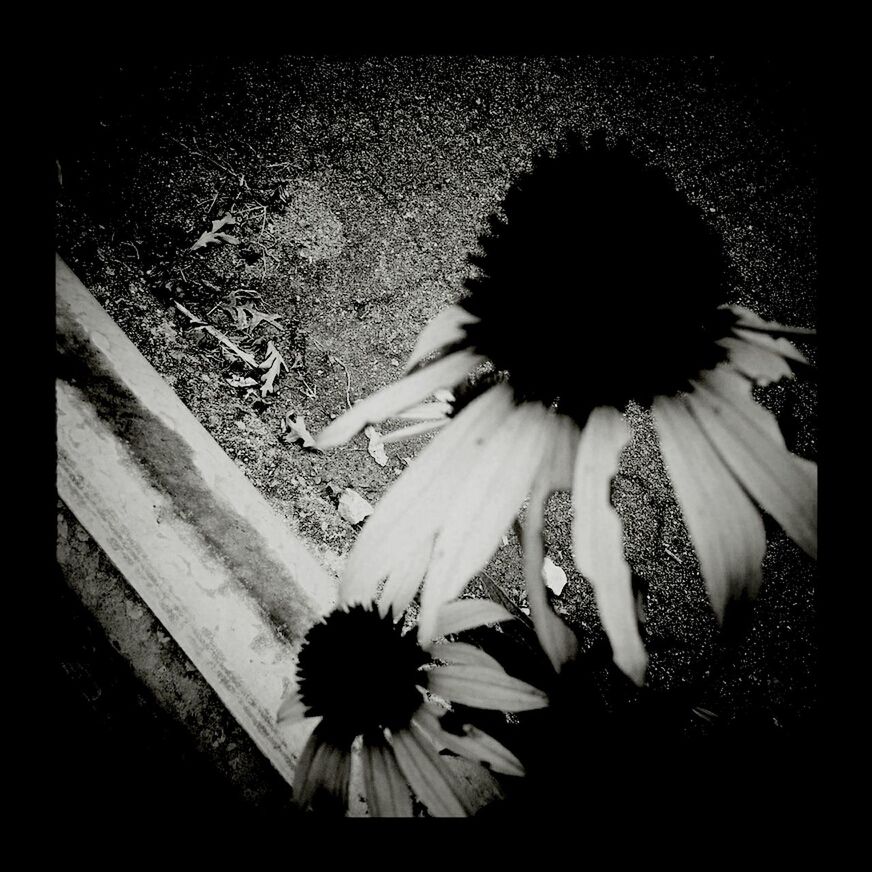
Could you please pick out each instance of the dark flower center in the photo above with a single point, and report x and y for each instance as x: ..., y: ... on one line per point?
x: 360, y: 672
x: 601, y: 285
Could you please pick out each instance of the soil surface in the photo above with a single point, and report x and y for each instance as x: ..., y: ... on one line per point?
x: 358, y: 187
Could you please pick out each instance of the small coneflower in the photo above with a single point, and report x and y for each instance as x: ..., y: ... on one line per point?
x: 602, y: 285
x: 370, y: 682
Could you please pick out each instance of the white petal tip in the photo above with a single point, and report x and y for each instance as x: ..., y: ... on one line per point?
x: 292, y: 709
x: 634, y: 666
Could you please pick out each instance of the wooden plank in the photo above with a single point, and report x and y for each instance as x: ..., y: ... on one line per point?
x: 211, y: 559
x: 217, y: 566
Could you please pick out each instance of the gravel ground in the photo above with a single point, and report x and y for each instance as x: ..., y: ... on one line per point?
x: 359, y: 186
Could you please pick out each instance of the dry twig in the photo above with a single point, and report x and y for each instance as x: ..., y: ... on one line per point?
x: 675, y: 557
x: 335, y: 359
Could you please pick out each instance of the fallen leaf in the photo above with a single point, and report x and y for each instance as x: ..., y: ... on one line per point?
x: 244, y: 356
x: 188, y: 313
x: 215, y: 235
x: 298, y: 432
x: 353, y: 507
x: 237, y: 381
x: 247, y: 318
x: 375, y: 448
x: 238, y: 314
x: 272, y: 363
x: 553, y: 576
x: 257, y: 317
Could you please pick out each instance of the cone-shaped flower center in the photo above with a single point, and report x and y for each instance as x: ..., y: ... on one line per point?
x: 360, y: 672
x: 600, y: 286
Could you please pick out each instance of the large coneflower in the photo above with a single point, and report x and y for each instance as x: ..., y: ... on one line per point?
x: 601, y: 285
x: 368, y: 681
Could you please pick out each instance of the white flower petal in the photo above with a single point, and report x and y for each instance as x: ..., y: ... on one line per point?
x: 427, y: 774
x: 322, y: 767
x: 411, y: 432
x: 409, y: 514
x: 559, y: 464
x: 556, y: 639
x: 484, y: 687
x: 305, y: 783
x: 474, y: 744
x: 387, y: 794
x: 445, y: 329
x: 725, y: 382
x: 752, y: 319
x: 427, y: 412
x: 466, y: 614
x: 463, y: 654
x: 597, y: 537
x: 785, y: 489
x: 483, y: 508
x: 777, y: 346
x: 724, y: 525
x: 397, y: 397
x: 337, y: 774
x: 759, y: 364
x: 403, y: 583
x: 292, y: 709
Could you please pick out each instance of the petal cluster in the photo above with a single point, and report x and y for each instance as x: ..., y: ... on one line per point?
x: 399, y: 744
x: 440, y: 523
x: 543, y: 422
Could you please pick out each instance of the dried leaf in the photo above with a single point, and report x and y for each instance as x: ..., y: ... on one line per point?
x: 239, y: 316
x: 237, y: 381
x: 298, y: 432
x: 553, y: 576
x: 376, y: 448
x: 257, y: 317
x: 272, y: 363
x: 353, y: 507
x: 188, y: 313
x: 215, y: 236
x: 244, y: 356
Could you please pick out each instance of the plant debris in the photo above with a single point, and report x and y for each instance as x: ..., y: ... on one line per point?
x: 353, y: 507
x: 334, y: 359
x: 553, y: 576
x: 231, y: 346
x: 294, y: 430
x: 246, y: 318
x: 215, y: 235
x: 237, y: 381
x: 273, y: 362
x: 376, y: 448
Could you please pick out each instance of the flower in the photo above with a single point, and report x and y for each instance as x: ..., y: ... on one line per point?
x: 602, y: 286
x: 362, y: 676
